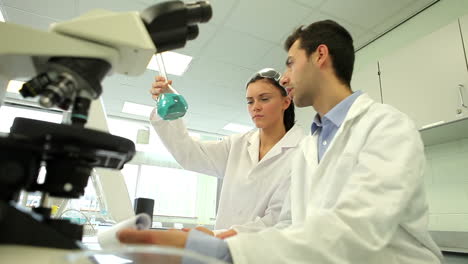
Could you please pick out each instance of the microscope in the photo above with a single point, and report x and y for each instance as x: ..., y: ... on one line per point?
x: 65, y: 67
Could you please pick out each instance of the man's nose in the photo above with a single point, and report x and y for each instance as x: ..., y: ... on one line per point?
x: 284, y: 81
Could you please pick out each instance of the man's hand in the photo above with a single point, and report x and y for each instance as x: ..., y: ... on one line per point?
x: 226, y: 234
x: 174, y: 238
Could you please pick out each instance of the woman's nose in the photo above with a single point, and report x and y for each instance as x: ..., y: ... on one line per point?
x: 256, y: 106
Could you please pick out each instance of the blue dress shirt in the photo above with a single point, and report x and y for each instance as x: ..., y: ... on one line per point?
x: 328, y: 125
x: 207, y: 245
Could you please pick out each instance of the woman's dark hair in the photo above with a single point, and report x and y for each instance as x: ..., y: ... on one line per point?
x: 289, y: 115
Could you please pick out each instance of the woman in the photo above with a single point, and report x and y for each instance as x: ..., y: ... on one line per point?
x: 254, y: 166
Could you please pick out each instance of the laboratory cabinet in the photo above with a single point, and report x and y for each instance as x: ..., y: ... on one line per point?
x: 367, y: 80
x: 464, y: 31
x: 444, y: 133
x: 428, y: 78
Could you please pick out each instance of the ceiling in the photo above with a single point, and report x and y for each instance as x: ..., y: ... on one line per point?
x: 241, y: 38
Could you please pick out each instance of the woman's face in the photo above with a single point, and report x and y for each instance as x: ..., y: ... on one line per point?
x: 266, y: 104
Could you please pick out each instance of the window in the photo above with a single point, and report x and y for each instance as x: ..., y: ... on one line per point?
x: 8, y: 114
x: 130, y: 173
x: 174, y: 190
x: 125, y: 128
x: 155, y: 174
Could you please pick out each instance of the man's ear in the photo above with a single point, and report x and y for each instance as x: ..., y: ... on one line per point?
x: 322, y: 54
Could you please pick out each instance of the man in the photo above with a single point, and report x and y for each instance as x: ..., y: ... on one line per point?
x: 357, y: 192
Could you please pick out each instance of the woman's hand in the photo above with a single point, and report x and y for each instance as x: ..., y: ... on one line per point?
x: 174, y: 238
x: 226, y: 234
x: 223, y: 235
x: 201, y: 229
x: 159, y: 86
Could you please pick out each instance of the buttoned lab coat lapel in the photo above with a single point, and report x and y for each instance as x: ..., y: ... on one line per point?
x: 290, y: 140
x: 360, y: 105
x: 303, y: 176
x: 253, y: 147
x: 310, y: 150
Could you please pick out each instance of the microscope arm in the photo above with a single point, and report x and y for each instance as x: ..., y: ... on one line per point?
x: 69, y: 62
x: 128, y: 49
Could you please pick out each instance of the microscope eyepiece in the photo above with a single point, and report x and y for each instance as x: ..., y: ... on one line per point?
x: 192, y: 32
x: 171, y: 24
x: 199, y: 12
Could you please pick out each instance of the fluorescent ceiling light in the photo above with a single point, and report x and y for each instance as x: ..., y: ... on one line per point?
x: 237, y: 128
x: 175, y: 63
x: 2, y: 18
x: 137, y: 109
x: 14, y: 86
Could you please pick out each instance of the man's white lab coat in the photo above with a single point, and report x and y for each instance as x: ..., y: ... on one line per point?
x: 253, y: 192
x: 363, y: 203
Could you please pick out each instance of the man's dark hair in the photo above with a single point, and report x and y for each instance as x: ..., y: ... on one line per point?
x: 335, y: 37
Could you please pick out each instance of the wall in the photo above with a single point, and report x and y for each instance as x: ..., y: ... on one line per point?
x: 446, y: 180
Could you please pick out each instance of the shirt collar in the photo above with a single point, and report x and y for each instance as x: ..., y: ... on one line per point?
x: 337, y: 114
x: 316, y: 124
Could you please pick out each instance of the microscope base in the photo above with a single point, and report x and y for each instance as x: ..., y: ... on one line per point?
x: 22, y: 228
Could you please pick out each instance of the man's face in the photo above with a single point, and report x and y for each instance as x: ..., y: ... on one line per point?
x: 300, y: 75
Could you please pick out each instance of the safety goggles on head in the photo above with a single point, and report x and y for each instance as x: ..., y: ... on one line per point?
x: 269, y: 73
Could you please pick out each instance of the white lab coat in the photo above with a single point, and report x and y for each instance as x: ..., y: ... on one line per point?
x: 363, y: 203
x: 253, y: 192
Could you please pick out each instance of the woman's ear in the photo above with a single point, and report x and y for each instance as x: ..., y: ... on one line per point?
x: 287, y: 102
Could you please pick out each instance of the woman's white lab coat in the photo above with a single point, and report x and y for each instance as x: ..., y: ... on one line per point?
x: 253, y: 192
x: 363, y: 203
